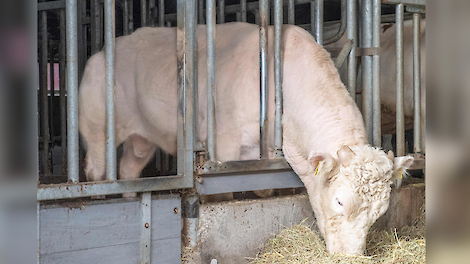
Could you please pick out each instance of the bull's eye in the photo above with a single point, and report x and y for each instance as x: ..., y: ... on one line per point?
x: 339, y: 202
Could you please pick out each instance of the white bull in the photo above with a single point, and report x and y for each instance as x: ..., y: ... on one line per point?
x: 348, y: 181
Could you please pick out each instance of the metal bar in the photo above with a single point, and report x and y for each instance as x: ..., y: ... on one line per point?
x: 82, y: 45
x: 62, y: 76
x: 51, y: 5
x: 110, y: 126
x: 125, y: 18
x: 347, y: 48
x: 86, y: 189
x: 417, y: 81
x: 291, y: 12
x: 210, y: 18
x: 243, y: 166
x: 263, y: 51
x: 406, y: 2
x: 44, y: 96
x: 400, y: 92
x: 200, y: 10
x: 145, y: 228
x: 376, y: 105
x: 215, y: 184
x: 221, y: 14
x: 51, y: 97
x: 343, y: 24
x: 131, y: 16
x: 72, y: 90
x: 168, y: 24
x: 243, y: 10
x: 190, y: 215
x: 95, y: 26
x: 312, y: 17
x: 352, y: 35
x: 367, y: 68
x: 143, y: 13
x: 278, y: 13
x: 186, y: 33
x: 319, y: 21
x: 152, y: 13
x: 161, y: 15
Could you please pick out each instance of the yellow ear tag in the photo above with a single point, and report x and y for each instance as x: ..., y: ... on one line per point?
x: 316, y: 170
x: 401, y: 174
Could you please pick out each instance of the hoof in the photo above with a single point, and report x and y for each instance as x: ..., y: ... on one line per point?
x: 264, y: 193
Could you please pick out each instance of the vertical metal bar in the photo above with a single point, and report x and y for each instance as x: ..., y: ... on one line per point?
x: 161, y: 15
x: 291, y: 12
x: 319, y: 21
x: 131, y: 16
x: 51, y: 97
x: 400, y: 92
x: 376, y: 115
x: 186, y: 33
x: 168, y: 24
x: 210, y: 18
x: 200, y: 10
x: 221, y: 15
x: 109, y: 53
x: 44, y: 96
x: 417, y: 81
x: 278, y: 12
x: 145, y: 228
x: 143, y: 13
x: 352, y: 34
x: 125, y: 18
x: 62, y: 76
x: 367, y: 68
x: 243, y: 10
x: 95, y: 26
x: 312, y: 17
x: 263, y: 50
x: 190, y: 213
x: 72, y: 90
x: 152, y: 13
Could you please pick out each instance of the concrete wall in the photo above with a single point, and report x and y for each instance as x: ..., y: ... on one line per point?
x: 231, y: 231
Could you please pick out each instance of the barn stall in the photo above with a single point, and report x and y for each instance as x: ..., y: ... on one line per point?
x: 73, y: 224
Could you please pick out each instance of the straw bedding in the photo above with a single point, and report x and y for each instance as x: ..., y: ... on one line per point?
x: 301, y: 244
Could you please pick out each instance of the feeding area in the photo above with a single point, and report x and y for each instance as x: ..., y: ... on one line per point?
x: 303, y: 244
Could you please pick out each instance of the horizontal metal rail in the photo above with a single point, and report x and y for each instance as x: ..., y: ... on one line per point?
x: 405, y: 2
x: 219, y: 183
x: 243, y: 166
x: 85, y: 189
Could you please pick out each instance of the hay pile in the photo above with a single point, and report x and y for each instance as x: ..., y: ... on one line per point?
x: 299, y: 244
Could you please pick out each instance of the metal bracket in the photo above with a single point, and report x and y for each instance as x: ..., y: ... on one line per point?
x: 416, y: 9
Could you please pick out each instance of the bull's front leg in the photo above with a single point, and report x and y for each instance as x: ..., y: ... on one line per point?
x: 137, y: 151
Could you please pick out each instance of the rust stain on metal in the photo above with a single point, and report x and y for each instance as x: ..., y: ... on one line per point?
x: 146, y: 225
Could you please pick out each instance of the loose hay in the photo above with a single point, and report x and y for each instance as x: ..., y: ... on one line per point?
x: 301, y: 244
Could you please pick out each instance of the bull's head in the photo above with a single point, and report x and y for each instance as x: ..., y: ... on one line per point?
x: 348, y: 194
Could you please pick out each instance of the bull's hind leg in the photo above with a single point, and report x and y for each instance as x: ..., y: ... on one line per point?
x: 137, y: 151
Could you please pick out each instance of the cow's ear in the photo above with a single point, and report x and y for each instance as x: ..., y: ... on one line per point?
x: 345, y: 155
x: 401, y: 165
x: 322, y: 165
x: 315, y: 158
